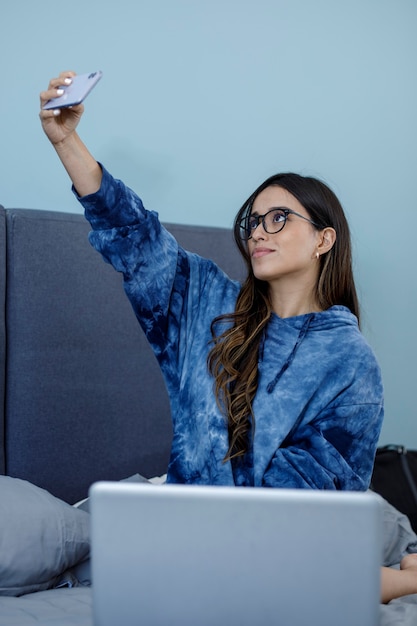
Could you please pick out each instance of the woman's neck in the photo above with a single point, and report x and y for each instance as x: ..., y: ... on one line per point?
x: 293, y: 303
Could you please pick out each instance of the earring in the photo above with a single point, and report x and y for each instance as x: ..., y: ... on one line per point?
x: 317, y: 255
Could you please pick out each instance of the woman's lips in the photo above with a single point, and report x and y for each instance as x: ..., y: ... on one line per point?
x: 259, y: 252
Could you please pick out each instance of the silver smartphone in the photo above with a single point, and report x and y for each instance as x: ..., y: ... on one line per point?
x: 76, y: 92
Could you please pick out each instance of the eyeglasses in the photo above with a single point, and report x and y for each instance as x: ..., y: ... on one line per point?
x: 273, y: 221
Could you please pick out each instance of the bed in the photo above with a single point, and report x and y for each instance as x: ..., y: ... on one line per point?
x: 83, y: 400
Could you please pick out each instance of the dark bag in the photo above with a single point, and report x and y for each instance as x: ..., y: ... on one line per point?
x: 395, y: 479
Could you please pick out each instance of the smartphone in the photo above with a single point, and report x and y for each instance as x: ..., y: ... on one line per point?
x: 76, y: 92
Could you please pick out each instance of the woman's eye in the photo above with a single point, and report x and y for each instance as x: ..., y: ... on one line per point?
x: 278, y: 217
x: 252, y: 223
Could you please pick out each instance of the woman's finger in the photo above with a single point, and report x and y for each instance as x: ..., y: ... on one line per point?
x: 56, y: 85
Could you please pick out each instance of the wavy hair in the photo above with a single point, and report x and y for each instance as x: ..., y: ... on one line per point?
x: 233, y: 358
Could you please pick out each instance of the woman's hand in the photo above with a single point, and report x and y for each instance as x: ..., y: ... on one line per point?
x: 59, y: 124
x: 60, y: 128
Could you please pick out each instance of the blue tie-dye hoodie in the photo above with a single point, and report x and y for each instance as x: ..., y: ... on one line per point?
x: 319, y: 403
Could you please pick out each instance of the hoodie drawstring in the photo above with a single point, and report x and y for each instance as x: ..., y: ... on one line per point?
x: 271, y: 385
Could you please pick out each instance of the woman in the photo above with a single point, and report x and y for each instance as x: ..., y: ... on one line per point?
x: 271, y: 383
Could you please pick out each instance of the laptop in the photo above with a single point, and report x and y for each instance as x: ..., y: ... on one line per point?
x: 182, y: 555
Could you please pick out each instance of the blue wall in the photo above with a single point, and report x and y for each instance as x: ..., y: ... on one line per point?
x: 202, y: 100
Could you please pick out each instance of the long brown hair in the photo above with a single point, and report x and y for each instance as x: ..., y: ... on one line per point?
x: 233, y: 358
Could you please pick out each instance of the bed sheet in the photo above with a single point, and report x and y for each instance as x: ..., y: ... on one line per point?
x: 53, y: 607
x: 401, y: 612
x: 73, y: 607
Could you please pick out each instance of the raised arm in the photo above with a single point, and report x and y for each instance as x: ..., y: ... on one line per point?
x: 60, y: 126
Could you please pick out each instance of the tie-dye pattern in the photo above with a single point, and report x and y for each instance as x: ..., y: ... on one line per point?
x: 319, y: 405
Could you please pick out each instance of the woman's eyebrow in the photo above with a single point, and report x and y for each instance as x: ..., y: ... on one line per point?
x: 281, y: 208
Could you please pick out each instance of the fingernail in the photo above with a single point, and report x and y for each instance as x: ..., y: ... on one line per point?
x: 57, y: 112
x: 68, y: 81
x: 59, y: 92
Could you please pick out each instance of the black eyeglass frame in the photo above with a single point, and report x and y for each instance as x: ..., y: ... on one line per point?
x: 245, y: 234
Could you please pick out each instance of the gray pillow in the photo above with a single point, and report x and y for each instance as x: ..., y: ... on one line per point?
x: 40, y: 537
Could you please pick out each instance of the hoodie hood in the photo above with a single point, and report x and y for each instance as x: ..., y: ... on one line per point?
x: 335, y: 316
x: 330, y: 319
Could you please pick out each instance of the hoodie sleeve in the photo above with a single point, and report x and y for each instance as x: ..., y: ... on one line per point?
x: 163, y: 282
x: 134, y: 242
x: 334, y: 451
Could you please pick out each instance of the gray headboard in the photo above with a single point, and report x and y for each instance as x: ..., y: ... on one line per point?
x: 84, y: 398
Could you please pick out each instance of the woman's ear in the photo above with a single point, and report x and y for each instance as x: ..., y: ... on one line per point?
x: 326, y: 240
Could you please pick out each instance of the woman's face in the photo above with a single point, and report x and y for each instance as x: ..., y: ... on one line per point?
x: 290, y: 254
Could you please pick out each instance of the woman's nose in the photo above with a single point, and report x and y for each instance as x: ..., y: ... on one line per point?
x: 259, y: 232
